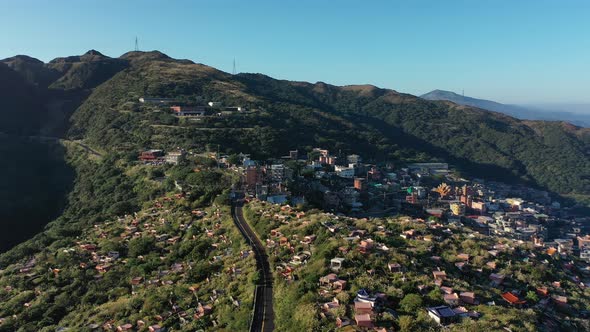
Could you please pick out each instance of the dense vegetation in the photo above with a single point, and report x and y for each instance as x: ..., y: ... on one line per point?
x: 35, y: 182
x: 407, y: 293
x: 21, y: 110
x: 36, y: 175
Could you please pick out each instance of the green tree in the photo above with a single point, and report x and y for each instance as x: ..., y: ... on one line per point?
x: 411, y: 303
x: 141, y: 246
x: 233, y: 159
x: 532, y: 296
x: 406, y: 323
x: 435, y: 296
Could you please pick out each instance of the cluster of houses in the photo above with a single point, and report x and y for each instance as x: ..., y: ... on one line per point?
x: 166, y: 227
x: 358, y: 189
x: 196, y: 109
x: 450, y: 273
x: 347, y: 185
x: 151, y: 224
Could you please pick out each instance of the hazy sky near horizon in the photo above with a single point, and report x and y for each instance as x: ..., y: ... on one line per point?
x: 525, y: 51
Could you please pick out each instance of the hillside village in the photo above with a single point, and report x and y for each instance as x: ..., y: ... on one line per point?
x: 422, y: 190
x: 355, y: 242
x: 467, y: 249
x: 416, y: 241
x: 162, y: 268
x: 368, y: 273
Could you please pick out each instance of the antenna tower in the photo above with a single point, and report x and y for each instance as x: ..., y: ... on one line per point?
x: 136, y: 44
x: 234, y: 70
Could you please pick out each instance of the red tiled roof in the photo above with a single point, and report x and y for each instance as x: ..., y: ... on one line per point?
x: 512, y: 299
x: 542, y: 291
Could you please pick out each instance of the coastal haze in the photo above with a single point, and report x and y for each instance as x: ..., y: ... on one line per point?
x: 577, y: 114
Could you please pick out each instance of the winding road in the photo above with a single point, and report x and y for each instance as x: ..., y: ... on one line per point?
x: 56, y: 139
x: 263, y: 316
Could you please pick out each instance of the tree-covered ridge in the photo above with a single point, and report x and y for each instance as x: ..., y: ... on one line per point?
x: 384, y: 124
x: 394, y: 259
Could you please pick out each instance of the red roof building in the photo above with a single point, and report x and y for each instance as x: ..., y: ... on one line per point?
x: 542, y: 291
x: 363, y: 320
x: 151, y: 155
x: 363, y: 308
x: 512, y: 299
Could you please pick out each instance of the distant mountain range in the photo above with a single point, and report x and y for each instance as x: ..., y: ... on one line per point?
x: 524, y: 112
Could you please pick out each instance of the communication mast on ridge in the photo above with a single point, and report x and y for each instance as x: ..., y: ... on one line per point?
x: 234, y: 70
x: 136, y: 44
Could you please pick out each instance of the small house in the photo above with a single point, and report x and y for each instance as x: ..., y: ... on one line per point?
x: 439, y: 275
x: 155, y: 328
x: 394, y: 267
x: 512, y: 299
x: 468, y: 298
x: 136, y: 281
x: 443, y: 315
x: 125, y: 327
x: 497, y: 279
x: 363, y: 308
x: 328, y: 279
x: 559, y: 300
x: 451, y: 299
x: 336, y: 264
x: 363, y: 320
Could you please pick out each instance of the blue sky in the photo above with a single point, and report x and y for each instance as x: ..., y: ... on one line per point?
x: 510, y: 51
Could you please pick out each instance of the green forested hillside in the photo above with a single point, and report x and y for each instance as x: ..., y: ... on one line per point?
x: 36, y: 176
x: 380, y: 123
x: 94, y: 99
x: 21, y: 110
x: 35, y: 181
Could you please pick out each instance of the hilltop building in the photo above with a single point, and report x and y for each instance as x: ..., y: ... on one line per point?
x: 174, y: 157
x: 156, y: 100
x: 151, y: 155
x: 188, y: 110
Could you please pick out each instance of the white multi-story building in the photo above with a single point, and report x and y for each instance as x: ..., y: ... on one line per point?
x: 344, y: 171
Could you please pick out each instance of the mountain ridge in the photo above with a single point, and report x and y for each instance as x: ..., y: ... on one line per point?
x: 387, y: 122
x: 517, y: 111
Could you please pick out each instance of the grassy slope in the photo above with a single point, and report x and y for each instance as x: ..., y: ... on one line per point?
x: 75, y: 298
